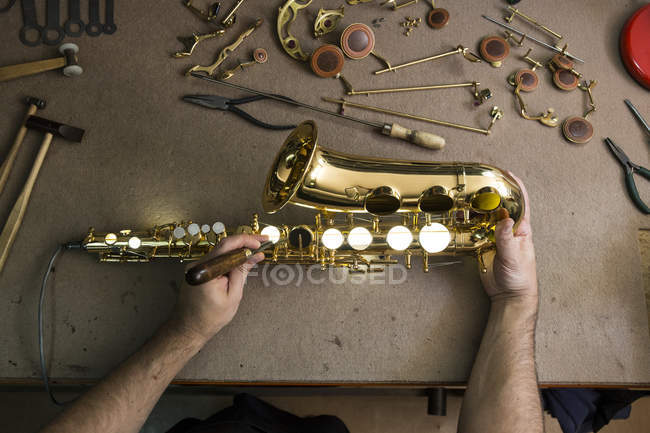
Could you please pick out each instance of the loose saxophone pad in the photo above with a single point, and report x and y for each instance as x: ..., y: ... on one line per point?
x: 438, y: 18
x: 528, y: 79
x: 327, y: 61
x: 494, y: 49
x: 577, y: 130
x: 357, y: 41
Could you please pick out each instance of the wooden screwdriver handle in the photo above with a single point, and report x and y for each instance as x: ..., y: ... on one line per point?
x: 12, y: 225
x: 24, y: 69
x: 8, y: 163
x: 217, y: 266
x: 420, y: 138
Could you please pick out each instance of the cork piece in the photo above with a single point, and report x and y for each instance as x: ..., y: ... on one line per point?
x: 327, y: 61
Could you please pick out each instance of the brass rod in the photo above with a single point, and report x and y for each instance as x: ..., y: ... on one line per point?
x: 408, y: 116
x: 230, y: 18
x: 394, y: 6
x: 409, y: 89
x: 408, y: 3
x: 426, y: 59
x: 533, y: 22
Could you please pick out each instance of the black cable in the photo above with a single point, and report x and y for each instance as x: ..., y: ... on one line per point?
x: 50, y: 267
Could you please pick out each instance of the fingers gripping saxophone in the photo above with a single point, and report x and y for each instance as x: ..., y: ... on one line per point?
x: 370, y: 212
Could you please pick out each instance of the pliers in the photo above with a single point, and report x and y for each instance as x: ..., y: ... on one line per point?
x: 226, y: 104
x: 630, y: 169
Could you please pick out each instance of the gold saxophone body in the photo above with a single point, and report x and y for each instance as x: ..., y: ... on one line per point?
x: 370, y: 211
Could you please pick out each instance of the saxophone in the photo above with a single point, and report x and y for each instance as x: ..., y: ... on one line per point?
x: 369, y: 212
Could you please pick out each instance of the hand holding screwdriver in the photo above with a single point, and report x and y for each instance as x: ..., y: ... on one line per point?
x: 221, y: 264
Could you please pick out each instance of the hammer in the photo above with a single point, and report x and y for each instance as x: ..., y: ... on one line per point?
x: 69, y: 62
x: 12, y: 225
x: 8, y: 163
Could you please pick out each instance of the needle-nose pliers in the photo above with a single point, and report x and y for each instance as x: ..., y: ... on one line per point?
x: 630, y: 169
x: 226, y: 104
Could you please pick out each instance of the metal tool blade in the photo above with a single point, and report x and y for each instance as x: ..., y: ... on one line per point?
x: 262, y: 247
x: 638, y: 115
x: 55, y: 128
x: 209, y: 101
x: 618, y: 152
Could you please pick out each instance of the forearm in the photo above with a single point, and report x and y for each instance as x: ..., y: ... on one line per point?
x: 122, y: 401
x: 502, y: 394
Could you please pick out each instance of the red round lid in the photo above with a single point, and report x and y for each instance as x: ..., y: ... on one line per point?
x: 635, y: 46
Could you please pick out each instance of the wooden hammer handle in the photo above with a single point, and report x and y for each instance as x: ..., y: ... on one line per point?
x: 8, y: 163
x: 24, y: 69
x: 217, y: 266
x: 15, y: 219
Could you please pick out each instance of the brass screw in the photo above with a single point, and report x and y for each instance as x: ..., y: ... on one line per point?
x: 409, y: 24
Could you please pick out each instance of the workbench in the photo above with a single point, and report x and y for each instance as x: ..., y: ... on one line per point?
x: 149, y: 158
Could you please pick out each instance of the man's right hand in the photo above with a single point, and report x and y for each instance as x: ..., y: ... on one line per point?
x: 203, y: 310
x: 511, y: 271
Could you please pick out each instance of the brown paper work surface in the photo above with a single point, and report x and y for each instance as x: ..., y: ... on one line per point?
x: 149, y: 158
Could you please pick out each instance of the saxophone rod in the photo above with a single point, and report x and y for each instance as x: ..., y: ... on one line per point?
x: 343, y: 102
x: 410, y: 89
x: 544, y: 44
x: 531, y: 20
x: 420, y: 138
x: 415, y: 62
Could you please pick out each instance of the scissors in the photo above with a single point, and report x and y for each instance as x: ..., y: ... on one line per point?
x: 630, y: 169
x: 226, y: 104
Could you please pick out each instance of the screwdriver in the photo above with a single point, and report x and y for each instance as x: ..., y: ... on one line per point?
x: 638, y: 115
x: 221, y: 265
x: 419, y: 138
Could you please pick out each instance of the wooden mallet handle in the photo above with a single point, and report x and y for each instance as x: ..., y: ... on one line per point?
x: 8, y: 163
x: 68, y: 61
x: 24, y: 69
x: 10, y: 230
x: 12, y: 225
